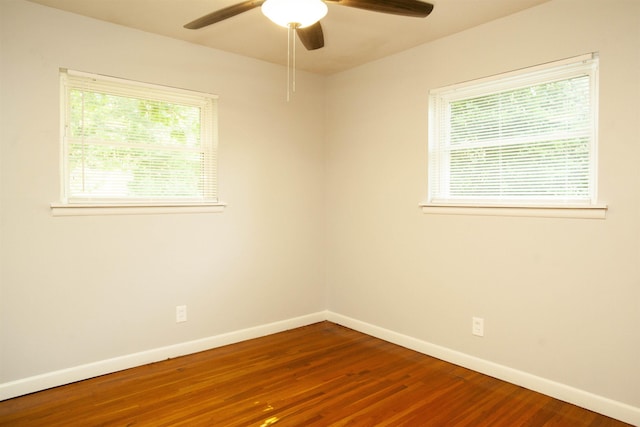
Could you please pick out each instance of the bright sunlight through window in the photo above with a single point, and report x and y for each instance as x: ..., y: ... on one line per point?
x: 133, y: 143
x: 526, y: 138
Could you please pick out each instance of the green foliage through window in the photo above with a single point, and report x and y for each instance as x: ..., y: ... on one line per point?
x: 130, y: 144
x: 528, y: 139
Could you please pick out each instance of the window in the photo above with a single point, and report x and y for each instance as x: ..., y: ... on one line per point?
x: 129, y: 143
x: 526, y: 138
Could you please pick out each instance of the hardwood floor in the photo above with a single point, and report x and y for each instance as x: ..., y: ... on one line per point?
x: 318, y: 375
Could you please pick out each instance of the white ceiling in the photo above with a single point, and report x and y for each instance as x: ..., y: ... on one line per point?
x: 352, y: 36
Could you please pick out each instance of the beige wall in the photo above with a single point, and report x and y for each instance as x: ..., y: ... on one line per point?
x: 323, y: 213
x: 560, y: 297
x: 77, y: 290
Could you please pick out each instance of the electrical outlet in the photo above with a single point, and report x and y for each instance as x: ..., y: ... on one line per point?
x: 181, y: 313
x: 477, y: 326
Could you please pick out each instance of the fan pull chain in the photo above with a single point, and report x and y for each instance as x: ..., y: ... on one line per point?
x: 291, y: 59
x: 293, y: 69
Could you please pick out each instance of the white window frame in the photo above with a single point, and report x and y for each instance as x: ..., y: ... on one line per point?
x: 440, y: 99
x: 68, y: 205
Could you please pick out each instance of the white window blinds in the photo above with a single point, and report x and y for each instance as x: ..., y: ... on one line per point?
x: 130, y: 142
x: 525, y: 138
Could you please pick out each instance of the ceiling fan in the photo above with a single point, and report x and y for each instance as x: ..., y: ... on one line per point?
x: 310, y: 32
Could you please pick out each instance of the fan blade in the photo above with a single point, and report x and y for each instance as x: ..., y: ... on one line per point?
x: 414, y: 8
x: 222, y: 14
x: 312, y: 36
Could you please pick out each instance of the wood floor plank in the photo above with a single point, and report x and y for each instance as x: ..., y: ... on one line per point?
x: 319, y: 375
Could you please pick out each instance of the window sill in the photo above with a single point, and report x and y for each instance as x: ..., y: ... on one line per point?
x: 61, y: 209
x: 581, y: 212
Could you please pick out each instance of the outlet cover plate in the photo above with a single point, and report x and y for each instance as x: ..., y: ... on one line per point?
x: 477, y: 326
x: 181, y: 313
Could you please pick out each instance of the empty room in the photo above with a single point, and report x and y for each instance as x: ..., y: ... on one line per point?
x: 405, y: 213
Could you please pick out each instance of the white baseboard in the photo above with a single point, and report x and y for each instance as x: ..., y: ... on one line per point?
x: 102, y: 367
x: 611, y: 408
x: 602, y: 405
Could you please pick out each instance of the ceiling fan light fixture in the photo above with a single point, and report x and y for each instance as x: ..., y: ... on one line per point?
x: 297, y: 13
